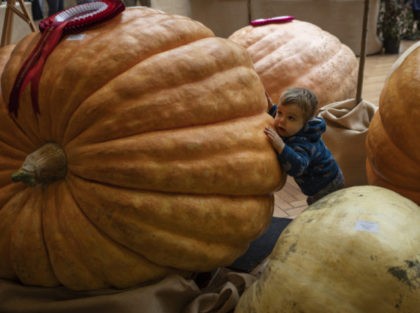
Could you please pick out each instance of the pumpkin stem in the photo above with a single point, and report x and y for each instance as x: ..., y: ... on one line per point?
x: 43, y: 166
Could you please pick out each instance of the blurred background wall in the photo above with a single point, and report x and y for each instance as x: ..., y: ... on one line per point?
x: 342, y: 18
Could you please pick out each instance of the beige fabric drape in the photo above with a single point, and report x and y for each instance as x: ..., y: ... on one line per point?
x: 173, y: 294
x: 347, y: 127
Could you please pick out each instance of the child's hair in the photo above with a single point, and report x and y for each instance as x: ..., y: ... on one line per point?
x: 304, y: 98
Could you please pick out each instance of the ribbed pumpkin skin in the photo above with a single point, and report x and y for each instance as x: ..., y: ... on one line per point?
x: 392, y: 143
x: 354, y: 251
x: 168, y: 167
x: 300, y: 54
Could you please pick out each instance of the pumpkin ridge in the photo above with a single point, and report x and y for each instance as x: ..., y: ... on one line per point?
x: 335, y: 59
x: 165, y: 187
x: 94, y: 33
x: 9, y: 165
x: 376, y: 171
x: 182, y: 251
x: 28, y: 251
x: 105, y: 83
x: 195, y: 155
x: 395, y: 143
x: 100, y: 230
x: 11, y: 123
x: 153, y: 132
x: 55, y: 126
x: 164, y: 192
x: 104, y: 35
x: 387, y: 180
x: 15, y: 131
x: 11, y: 152
x: 381, y: 149
x: 32, y: 131
x: 114, y: 252
x: 8, y: 190
x: 7, y: 219
x: 376, y: 180
x: 326, y: 55
x: 171, y: 120
x: 184, y: 246
x: 190, y: 80
x: 256, y: 42
x: 169, y: 211
x: 167, y: 179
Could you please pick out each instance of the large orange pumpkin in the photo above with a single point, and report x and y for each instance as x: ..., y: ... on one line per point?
x: 392, y: 143
x: 148, y: 156
x: 300, y: 54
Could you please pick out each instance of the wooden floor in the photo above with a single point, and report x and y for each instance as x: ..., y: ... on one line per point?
x: 289, y: 201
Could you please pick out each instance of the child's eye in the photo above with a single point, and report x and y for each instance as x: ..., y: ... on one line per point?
x: 291, y: 118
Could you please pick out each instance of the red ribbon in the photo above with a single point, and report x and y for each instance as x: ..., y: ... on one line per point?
x: 53, y: 29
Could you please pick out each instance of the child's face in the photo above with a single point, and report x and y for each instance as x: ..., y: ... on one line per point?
x: 289, y: 120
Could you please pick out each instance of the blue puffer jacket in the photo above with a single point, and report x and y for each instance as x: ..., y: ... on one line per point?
x: 307, y: 159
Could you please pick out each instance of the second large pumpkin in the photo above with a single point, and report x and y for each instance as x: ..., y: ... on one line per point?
x: 300, y: 54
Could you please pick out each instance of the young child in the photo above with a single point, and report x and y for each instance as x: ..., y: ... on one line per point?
x: 296, y: 137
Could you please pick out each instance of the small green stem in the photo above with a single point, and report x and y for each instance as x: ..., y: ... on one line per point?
x: 25, y: 177
x: 43, y: 166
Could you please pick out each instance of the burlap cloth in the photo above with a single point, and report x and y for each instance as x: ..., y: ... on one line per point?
x: 173, y: 294
x: 347, y: 126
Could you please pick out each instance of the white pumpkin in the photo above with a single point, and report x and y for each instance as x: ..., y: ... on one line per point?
x: 355, y: 251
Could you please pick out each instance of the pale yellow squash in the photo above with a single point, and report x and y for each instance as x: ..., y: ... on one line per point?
x: 355, y: 251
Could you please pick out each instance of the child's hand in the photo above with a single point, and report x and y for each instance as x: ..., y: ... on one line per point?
x: 275, y: 139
